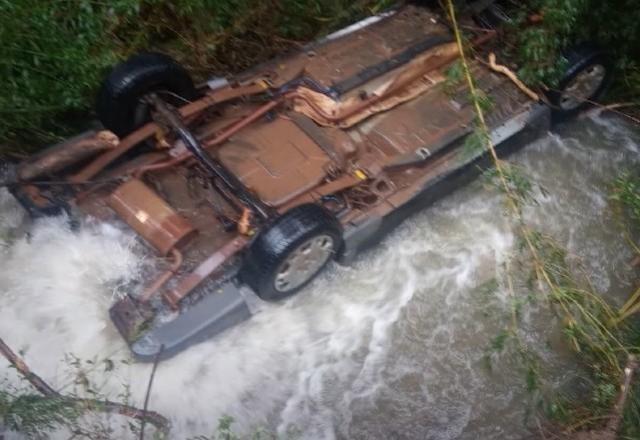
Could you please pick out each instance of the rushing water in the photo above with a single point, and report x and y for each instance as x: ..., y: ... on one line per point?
x: 392, y: 348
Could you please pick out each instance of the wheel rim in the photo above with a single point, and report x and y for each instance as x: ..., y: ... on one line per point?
x: 304, y: 262
x: 583, y: 87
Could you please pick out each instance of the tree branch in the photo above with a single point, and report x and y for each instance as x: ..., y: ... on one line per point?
x: 24, y: 370
x: 148, y: 394
x: 106, y: 406
x: 512, y: 76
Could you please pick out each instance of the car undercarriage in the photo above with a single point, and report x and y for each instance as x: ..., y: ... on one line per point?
x: 260, y: 180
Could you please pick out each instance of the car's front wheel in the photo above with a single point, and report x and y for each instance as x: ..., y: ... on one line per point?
x: 291, y: 251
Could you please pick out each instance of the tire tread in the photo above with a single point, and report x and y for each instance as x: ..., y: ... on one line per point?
x: 275, y: 241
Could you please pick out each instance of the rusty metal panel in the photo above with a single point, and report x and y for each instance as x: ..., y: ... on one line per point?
x: 340, y: 59
x: 428, y: 122
x: 150, y: 216
x: 275, y: 159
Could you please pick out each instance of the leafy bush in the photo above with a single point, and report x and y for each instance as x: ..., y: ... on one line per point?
x: 54, y: 54
x: 613, y: 25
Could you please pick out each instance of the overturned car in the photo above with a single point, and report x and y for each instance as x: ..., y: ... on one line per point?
x: 262, y: 179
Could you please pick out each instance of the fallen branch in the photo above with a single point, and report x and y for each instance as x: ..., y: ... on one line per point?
x: 150, y: 384
x: 614, y: 109
x: 616, y: 416
x: 512, y: 76
x: 23, y: 369
x: 617, y: 105
x: 105, y: 406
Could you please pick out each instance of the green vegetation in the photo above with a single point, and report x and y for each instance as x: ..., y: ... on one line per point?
x: 54, y: 54
x: 33, y: 415
x: 626, y: 191
x: 552, y: 25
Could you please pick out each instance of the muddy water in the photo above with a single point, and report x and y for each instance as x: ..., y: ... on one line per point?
x: 393, y: 347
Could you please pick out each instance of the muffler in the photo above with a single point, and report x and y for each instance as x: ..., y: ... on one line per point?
x: 150, y: 216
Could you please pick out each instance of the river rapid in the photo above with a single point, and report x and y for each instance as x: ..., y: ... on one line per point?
x: 393, y: 347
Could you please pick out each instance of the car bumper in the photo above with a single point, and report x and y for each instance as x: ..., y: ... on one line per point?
x: 209, y: 316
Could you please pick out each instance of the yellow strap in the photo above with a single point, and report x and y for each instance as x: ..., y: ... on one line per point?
x: 360, y: 174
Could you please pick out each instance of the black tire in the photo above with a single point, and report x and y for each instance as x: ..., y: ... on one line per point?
x: 118, y: 104
x: 579, y: 59
x: 426, y: 3
x: 437, y: 5
x: 494, y: 16
x: 279, y: 240
x: 487, y: 14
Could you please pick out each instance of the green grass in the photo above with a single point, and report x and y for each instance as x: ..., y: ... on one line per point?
x: 626, y: 191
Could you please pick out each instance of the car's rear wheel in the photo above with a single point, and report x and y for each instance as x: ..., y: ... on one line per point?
x: 493, y: 16
x: 586, y: 78
x: 291, y: 251
x: 120, y: 104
